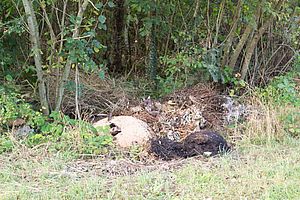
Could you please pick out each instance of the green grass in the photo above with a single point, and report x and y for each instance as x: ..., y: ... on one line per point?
x: 269, y: 171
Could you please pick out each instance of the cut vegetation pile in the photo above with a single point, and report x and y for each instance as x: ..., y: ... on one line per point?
x: 172, y: 119
x: 183, y: 112
x: 97, y: 96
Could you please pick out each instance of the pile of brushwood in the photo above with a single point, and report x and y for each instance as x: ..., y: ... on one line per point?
x: 186, y: 123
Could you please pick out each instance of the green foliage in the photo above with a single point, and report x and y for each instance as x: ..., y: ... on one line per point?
x: 194, y: 65
x: 6, y: 144
x: 292, y: 123
x: 13, y: 107
x: 179, y: 70
x: 94, y: 144
x: 282, y: 90
x: 10, y: 33
x: 81, y: 51
x: 51, y: 129
x: 91, y: 140
x: 297, y: 62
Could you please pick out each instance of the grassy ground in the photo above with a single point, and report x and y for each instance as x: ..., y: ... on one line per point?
x: 251, y: 172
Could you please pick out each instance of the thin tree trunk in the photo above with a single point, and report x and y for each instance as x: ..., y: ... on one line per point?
x: 127, y: 42
x: 36, y: 47
x: 208, y: 39
x: 119, y: 14
x: 62, y: 26
x: 219, y: 20
x: 52, y: 34
x: 240, y: 46
x: 66, y: 72
x: 153, y: 57
x: 77, y: 89
x: 250, y: 48
x: 249, y: 29
x: 62, y: 34
x: 231, y: 34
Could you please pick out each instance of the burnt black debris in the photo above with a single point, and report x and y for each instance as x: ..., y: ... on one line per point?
x: 200, y: 142
x: 167, y: 149
x: 197, y: 143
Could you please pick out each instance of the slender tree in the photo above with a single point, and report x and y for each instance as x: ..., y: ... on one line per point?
x: 251, y: 46
x: 66, y: 73
x: 36, y: 47
x: 118, y: 41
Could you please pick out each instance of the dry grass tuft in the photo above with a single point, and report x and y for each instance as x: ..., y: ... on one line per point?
x: 263, y: 123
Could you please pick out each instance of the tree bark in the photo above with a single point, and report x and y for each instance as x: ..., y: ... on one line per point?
x: 153, y: 57
x: 231, y: 34
x: 119, y: 15
x: 66, y: 72
x: 240, y: 46
x: 249, y: 29
x: 250, y: 48
x: 52, y: 34
x: 36, y: 47
x: 219, y: 20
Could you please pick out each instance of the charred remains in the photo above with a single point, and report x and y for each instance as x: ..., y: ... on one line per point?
x: 197, y: 143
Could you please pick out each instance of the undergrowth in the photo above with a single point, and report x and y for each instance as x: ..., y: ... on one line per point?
x: 274, y: 112
x: 59, y: 131
x: 273, y: 116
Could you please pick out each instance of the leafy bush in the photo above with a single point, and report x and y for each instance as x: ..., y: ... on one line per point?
x: 282, y: 90
x: 13, y: 107
x: 55, y: 128
x: 178, y: 70
x: 192, y: 66
x: 292, y: 123
x: 6, y: 144
x: 274, y: 112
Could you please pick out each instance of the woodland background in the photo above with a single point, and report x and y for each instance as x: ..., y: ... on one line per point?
x: 46, y: 45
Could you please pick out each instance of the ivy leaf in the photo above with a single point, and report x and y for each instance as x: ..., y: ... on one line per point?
x: 111, y: 4
x: 96, y: 49
x: 99, y: 5
x: 102, y: 74
x: 9, y: 77
x: 281, y: 86
x: 102, y: 26
x: 102, y: 19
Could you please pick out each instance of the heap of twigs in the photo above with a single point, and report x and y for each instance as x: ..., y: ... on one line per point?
x: 184, y: 111
x: 175, y: 116
x: 98, y: 97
